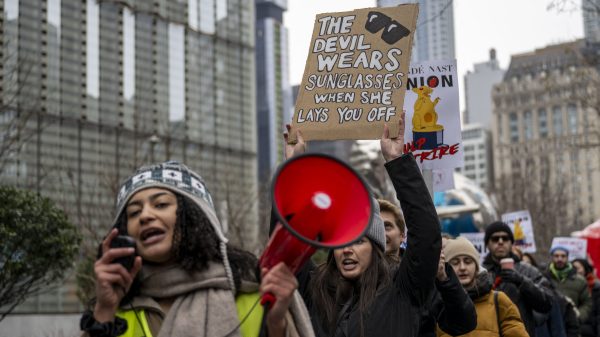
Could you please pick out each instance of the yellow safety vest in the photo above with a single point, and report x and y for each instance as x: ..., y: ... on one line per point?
x: 138, y: 326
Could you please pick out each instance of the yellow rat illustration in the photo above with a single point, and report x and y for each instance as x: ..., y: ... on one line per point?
x: 425, y: 118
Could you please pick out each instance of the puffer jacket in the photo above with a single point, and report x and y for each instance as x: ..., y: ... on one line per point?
x: 396, y: 309
x: 488, y: 323
x: 575, y: 287
x: 532, y: 294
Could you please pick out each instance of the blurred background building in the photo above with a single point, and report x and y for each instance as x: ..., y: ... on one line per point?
x: 273, y: 91
x: 90, y: 90
x: 434, y: 39
x: 591, y: 19
x: 546, y: 138
x: 477, y: 147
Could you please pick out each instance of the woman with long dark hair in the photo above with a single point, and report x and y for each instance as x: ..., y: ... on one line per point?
x: 355, y: 292
x: 185, y: 280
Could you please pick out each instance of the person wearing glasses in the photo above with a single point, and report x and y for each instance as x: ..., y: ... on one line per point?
x: 523, y: 284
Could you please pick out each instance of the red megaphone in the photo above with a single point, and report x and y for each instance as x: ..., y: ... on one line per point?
x: 319, y: 202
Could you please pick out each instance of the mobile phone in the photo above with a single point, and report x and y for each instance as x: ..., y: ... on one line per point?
x: 124, y: 241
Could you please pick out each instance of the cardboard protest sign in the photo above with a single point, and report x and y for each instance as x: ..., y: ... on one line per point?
x: 577, y: 247
x: 522, y: 227
x: 432, y: 130
x: 354, y: 79
x: 477, y: 241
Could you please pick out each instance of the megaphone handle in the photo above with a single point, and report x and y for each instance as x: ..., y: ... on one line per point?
x: 268, y: 299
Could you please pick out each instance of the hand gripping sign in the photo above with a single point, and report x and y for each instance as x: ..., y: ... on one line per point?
x: 354, y: 79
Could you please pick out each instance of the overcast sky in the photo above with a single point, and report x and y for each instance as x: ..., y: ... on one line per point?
x: 510, y: 26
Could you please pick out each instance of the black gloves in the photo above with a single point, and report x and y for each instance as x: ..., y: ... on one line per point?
x: 510, y: 275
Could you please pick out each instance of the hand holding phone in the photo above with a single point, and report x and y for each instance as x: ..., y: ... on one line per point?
x: 124, y: 241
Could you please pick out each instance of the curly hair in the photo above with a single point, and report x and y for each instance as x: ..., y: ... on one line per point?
x: 330, y: 288
x: 195, y: 244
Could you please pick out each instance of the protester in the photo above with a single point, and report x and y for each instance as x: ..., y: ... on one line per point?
x: 523, y: 283
x: 590, y: 327
x: 497, y: 315
x: 530, y: 260
x: 186, y: 280
x: 561, y: 320
x: 449, y: 307
x: 353, y: 292
x: 395, y: 231
x: 567, y: 282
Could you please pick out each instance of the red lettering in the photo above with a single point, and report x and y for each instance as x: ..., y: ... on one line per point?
x: 437, y: 153
x: 454, y: 149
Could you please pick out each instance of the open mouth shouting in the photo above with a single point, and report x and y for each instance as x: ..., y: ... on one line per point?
x: 152, y: 235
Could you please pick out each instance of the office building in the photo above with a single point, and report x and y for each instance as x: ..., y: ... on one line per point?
x: 545, y: 136
x: 478, y: 91
x: 478, y: 159
x: 103, y: 87
x: 434, y: 39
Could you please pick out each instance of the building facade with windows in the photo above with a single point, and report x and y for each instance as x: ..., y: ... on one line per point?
x: 478, y: 158
x: 478, y: 91
x: 102, y: 87
x: 434, y: 39
x: 591, y: 19
x: 273, y: 90
x: 546, y: 133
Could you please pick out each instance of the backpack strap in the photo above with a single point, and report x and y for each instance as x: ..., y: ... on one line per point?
x: 497, y: 314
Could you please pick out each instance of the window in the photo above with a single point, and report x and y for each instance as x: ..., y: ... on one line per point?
x: 514, y: 127
x: 543, y: 123
x: 500, y: 129
x: 572, y: 114
x: 557, y: 122
x: 176, y: 73
x: 92, y: 48
x: 528, y: 125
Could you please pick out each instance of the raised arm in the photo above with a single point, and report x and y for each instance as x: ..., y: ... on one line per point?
x: 420, y: 261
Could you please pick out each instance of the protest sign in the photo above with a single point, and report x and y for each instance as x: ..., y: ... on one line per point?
x: 522, y: 227
x: 443, y: 180
x: 354, y: 79
x: 577, y: 247
x: 477, y: 241
x: 432, y: 130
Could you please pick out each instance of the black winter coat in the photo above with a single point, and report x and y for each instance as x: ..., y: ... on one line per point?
x: 591, y: 327
x: 450, y: 307
x: 532, y: 294
x: 396, y: 309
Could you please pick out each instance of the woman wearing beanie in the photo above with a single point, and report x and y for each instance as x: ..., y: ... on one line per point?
x: 496, y: 314
x: 183, y: 279
x: 355, y: 293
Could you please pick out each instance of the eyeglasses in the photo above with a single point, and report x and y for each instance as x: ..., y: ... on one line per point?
x: 393, y: 31
x: 497, y: 238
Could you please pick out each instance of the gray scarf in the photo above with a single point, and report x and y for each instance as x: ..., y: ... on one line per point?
x: 204, y: 304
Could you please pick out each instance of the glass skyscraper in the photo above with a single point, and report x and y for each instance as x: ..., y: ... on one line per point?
x: 102, y: 87
x: 434, y: 39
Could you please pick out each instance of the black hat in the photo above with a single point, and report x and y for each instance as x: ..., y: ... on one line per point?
x: 497, y: 226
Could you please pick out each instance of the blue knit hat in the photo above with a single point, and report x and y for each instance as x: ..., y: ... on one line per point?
x: 563, y: 248
x: 177, y: 178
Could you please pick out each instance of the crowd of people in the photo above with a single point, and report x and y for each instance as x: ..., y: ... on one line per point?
x: 185, y: 279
